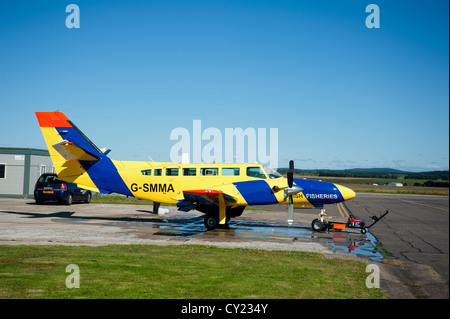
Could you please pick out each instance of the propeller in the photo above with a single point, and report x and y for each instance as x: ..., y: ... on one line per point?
x: 290, y: 191
x: 290, y: 180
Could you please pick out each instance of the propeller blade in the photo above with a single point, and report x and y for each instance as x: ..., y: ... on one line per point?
x: 290, y: 211
x: 290, y: 178
x: 290, y: 174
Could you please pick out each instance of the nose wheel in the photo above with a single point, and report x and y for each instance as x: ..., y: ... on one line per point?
x: 317, y: 225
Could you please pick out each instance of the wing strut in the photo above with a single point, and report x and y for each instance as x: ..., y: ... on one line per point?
x: 222, y: 210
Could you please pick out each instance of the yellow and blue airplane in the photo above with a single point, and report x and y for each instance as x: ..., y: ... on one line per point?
x: 219, y: 190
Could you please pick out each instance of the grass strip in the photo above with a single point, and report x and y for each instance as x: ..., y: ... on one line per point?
x: 185, y: 271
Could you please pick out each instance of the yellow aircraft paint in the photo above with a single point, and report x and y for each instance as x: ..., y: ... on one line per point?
x: 219, y: 189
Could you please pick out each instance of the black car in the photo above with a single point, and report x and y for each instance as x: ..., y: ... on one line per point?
x: 48, y: 187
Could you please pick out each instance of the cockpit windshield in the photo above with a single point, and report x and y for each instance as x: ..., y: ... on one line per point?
x: 271, y: 172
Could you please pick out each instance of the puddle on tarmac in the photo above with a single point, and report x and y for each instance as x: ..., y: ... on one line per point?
x: 184, y: 225
x: 339, y: 241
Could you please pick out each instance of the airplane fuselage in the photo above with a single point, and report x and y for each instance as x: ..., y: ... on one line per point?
x: 250, y: 184
x: 220, y: 190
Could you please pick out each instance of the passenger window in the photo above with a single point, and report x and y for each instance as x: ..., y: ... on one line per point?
x: 226, y: 171
x: 171, y: 171
x: 158, y: 172
x: 189, y: 171
x: 255, y: 172
x: 147, y: 172
x: 209, y: 171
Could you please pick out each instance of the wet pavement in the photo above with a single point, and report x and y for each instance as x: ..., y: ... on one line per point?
x: 109, y: 224
x: 180, y: 225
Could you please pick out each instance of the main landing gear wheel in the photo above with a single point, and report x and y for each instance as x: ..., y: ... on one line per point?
x: 210, y: 222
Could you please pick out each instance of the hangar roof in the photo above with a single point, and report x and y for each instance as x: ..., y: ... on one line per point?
x: 25, y: 151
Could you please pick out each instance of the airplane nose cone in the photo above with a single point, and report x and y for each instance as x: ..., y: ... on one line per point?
x: 346, y: 192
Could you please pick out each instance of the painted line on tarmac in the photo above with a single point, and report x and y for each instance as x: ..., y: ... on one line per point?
x: 342, y: 210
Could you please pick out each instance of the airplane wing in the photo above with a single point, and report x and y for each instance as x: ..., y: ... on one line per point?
x: 203, y: 197
x: 208, y: 197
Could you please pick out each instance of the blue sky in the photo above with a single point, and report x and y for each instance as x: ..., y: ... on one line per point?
x: 341, y: 95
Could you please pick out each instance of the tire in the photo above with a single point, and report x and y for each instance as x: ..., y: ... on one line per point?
x: 69, y: 200
x: 88, y: 199
x: 210, y: 222
x: 317, y: 225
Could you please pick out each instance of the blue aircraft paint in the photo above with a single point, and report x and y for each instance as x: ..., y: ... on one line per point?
x: 102, y: 172
x: 256, y: 192
x: 319, y: 193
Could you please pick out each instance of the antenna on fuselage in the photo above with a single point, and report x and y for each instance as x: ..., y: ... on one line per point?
x: 152, y: 160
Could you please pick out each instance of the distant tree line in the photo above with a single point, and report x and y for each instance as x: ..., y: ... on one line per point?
x: 435, y: 175
x: 434, y: 178
x: 435, y: 184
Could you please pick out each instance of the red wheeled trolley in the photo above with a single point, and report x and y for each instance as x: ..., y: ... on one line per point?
x: 322, y: 223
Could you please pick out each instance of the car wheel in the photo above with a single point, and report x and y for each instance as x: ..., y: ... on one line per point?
x: 69, y: 199
x: 39, y: 202
x: 88, y: 198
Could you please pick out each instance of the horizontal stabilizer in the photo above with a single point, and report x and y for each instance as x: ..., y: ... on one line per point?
x: 70, y: 151
x: 93, y: 189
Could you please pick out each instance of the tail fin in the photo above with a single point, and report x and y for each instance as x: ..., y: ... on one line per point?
x: 75, y: 158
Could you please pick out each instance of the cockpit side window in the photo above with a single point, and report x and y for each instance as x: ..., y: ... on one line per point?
x: 271, y: 172
x: 255, y: 172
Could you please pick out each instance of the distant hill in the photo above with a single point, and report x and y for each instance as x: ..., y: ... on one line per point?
x: 372, y: 173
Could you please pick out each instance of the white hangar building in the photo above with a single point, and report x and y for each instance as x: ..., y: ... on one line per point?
x: 20, y: 169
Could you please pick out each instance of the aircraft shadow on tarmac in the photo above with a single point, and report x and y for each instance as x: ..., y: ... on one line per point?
x: 68, y: 215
